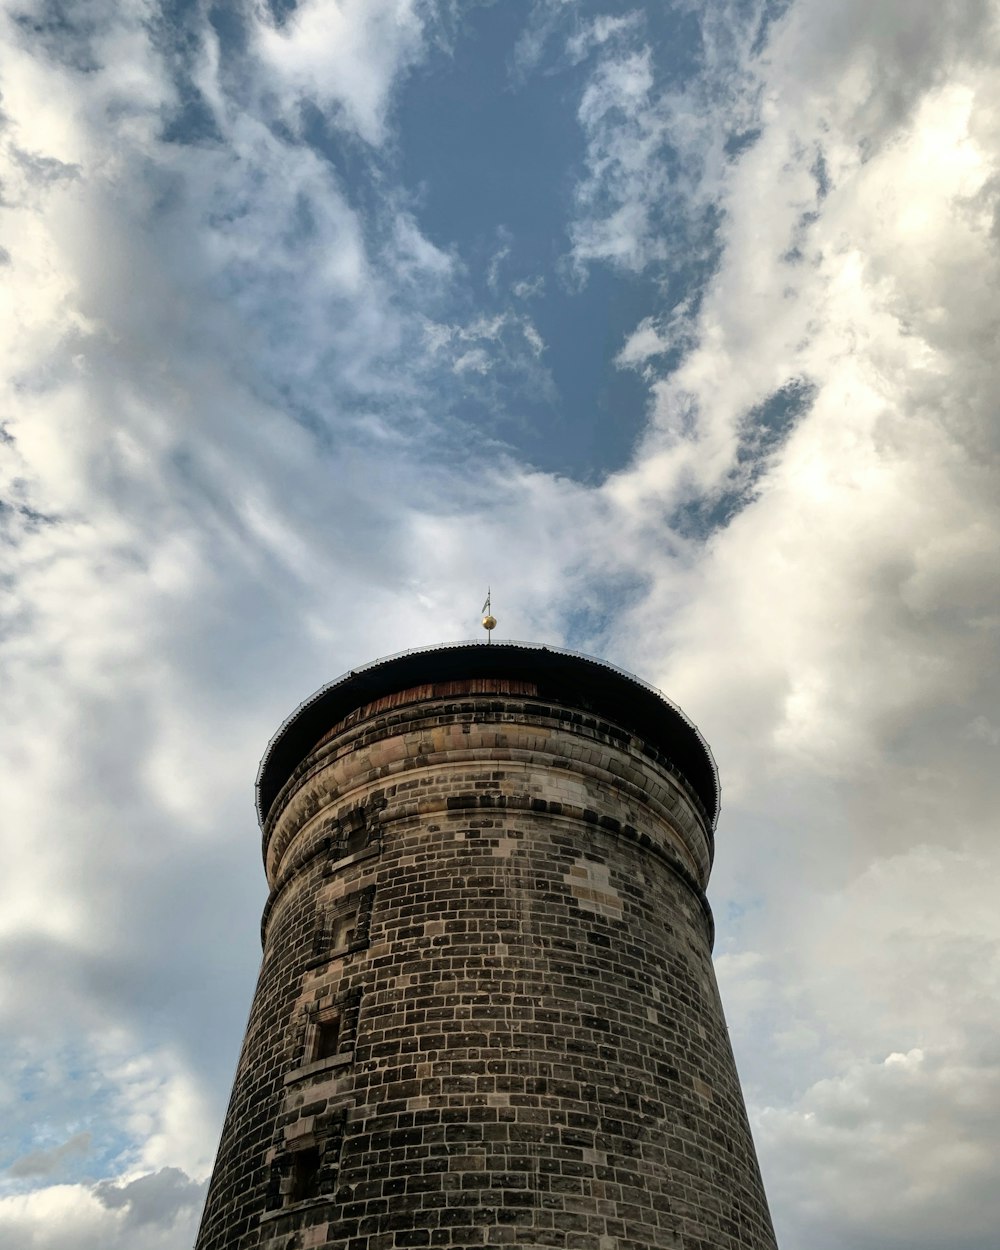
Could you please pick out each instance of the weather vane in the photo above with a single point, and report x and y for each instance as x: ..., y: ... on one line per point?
x: 489, y: 620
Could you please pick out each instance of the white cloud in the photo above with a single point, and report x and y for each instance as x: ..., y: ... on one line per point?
x: 155, y: 1212
x: 506, y: 340
x: 656, y: 151
x: 598, y: 32
x: 624, y: 176
x: 884, y: 473
x: 218, y: 390
x: 831, y: 634
x: 899, y: 969
x: 529, y: 288
x: 172, y: 532
x: 343, y: 56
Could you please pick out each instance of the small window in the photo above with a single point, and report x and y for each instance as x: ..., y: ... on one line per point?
x: 326, y: 1041
x: 356, y: 840
x: 344, y: 929
x: 305, y: 1174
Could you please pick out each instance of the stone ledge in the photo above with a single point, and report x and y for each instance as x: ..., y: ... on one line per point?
x: 330, y: 1064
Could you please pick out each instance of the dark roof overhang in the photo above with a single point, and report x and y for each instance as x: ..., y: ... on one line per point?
x: 566, y: 677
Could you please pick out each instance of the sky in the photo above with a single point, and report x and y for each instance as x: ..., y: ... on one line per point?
x: 677, y: 325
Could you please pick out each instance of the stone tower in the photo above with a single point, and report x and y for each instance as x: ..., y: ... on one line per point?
x: 486, y: 1013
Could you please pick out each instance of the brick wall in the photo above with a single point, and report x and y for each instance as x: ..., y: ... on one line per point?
x: 486, y: 1013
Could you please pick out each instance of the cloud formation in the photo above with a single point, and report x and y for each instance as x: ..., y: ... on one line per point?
x: 343, y: 57
x: 154, y: 1212
x: 45, y: 1162
x: 243, y: 448
x: 837, y: 628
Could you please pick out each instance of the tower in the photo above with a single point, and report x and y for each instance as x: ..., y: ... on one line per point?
x: 486, y: 1012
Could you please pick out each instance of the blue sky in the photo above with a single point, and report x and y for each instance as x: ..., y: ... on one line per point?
x: 674, y: 323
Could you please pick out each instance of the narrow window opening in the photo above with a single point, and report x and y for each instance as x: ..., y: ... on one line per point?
x: 305, y: 1174
x: 326, y: 1042
x: 356, y: 841
x: 344, y: 929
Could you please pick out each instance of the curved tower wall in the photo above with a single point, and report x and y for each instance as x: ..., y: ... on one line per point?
x: 486, y: 1012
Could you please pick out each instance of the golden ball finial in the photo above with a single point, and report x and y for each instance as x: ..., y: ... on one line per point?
x: 489, y: 622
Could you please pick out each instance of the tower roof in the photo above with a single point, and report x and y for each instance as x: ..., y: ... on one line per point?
x: 566, y: 677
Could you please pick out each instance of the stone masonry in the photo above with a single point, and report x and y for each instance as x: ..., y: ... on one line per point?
x: 486, y: 1013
